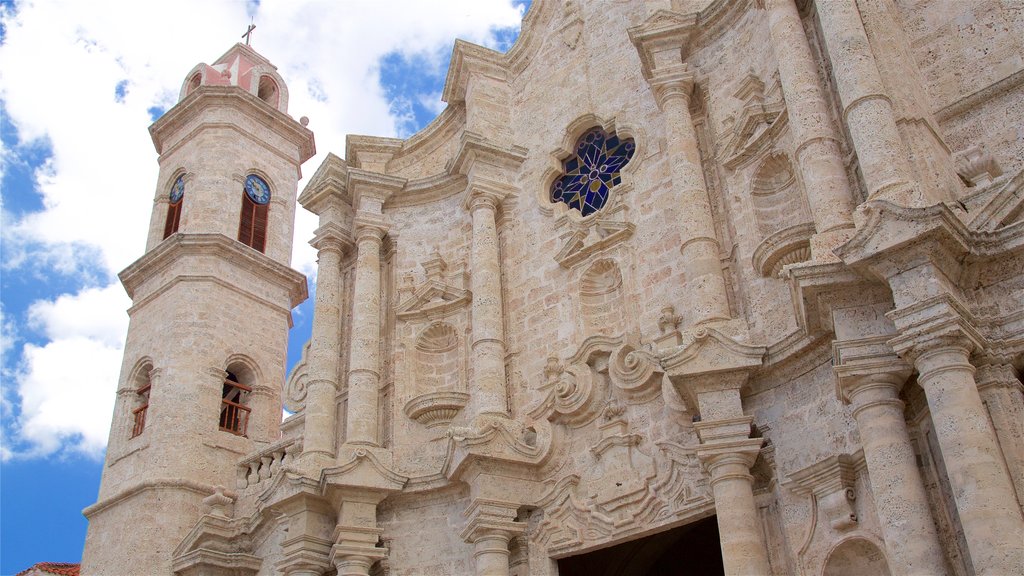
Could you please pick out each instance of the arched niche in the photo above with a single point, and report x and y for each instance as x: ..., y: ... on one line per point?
x: 776, y: 196
x: 601, y: 300
x: 437, y: 362
x: 856, y: 557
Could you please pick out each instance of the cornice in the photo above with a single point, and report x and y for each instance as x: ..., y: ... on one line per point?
x: 232, y: 96
x: 475, y: 148
x: 328, y: 187
x: 358, y: 145
x: 429, y: 189
x: 179, y: 245
x: 663, y: 40
x: 469, y: 59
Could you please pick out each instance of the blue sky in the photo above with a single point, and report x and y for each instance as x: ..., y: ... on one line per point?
x: 81, y: 83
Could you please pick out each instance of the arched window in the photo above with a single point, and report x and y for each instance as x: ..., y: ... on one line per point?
x: 592, y: 170
x: 234, y: 411
x: 252, y: 223
x: 267, y: 91
x: 176, y: 196
x: 195, y: 81
x: 141, y: 401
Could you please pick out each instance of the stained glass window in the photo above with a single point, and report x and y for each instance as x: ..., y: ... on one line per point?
x: 592, y: 170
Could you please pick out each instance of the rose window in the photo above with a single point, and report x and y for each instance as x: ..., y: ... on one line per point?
x: 592, y: 170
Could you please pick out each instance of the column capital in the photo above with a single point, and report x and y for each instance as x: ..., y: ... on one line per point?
x: 662, y: 39
x: 868, y: 364
x: 939, y: 323
x: 483, y: 192
x: 369, y: 225
x: 331, y: 237
x: 730, y: 458
x: 672, y: 82
x: 372, y: 189
x: 491, y: 519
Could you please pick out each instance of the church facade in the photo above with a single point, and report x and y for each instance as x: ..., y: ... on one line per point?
x: 691, y: 286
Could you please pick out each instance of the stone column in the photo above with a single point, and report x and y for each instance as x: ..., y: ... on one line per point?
x: 490, y: 529
x: 867, y: 109
x: 739, y: 527
x: 818, y: 152
x: 354, y: 566
x: 320, y: 428
x: 872, y: 391
x: 487, y: 392
x: 1002, y: 393
x: 364, y: 352
x: 705, y: 283
x: 993, y: 527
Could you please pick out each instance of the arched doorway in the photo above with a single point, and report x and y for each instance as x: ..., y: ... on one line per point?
x: 690, y: 550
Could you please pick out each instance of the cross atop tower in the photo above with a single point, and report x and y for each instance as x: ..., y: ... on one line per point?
x: 248, y: 33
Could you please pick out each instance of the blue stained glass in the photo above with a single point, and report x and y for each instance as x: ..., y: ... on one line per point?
x: 178, y: 189
x: 592, y: 171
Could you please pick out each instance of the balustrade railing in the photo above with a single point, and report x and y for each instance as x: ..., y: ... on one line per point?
x: 261, y: 466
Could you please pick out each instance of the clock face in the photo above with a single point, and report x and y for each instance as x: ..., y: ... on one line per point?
x: 257, y: 189
x: 178, y: 189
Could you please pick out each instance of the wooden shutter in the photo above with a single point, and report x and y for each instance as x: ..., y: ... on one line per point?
x: 245, y: 221
x: 252, y: 225
x: 173, y: 218
x: 259, y: 227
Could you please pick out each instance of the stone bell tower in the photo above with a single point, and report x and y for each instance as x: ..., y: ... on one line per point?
x: 211, y: 307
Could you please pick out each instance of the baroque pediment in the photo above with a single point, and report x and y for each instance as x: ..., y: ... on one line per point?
x: 755, y: 131
x: 593, y: 237
x: 433, y: 299
x: 366, y: 471
x: 1004, y: 208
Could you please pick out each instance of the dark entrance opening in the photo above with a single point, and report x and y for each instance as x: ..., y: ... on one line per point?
x: 690, y: 550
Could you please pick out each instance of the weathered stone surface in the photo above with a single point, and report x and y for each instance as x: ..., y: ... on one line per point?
x: 790, y: 312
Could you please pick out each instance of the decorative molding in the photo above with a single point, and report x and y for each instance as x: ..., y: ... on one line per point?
x: 977, y: 166
x: 572, y: 396
x: 593, y: 237
x: 831, y: 483
x: 790, y: 245
x: 436, y: 408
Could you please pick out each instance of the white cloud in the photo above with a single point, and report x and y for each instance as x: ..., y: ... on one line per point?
x: 66, y: 387
x: 63, y: 62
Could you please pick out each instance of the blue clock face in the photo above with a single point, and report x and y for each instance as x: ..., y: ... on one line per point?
x: 257, y: 189
x: 178, y: 190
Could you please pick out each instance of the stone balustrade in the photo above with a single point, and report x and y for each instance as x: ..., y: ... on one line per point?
x: 259, y: 467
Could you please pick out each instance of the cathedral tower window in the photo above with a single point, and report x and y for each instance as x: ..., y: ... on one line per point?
x: 592, y: 170
x: 234, y: 413
x: 267, y: 91
x: 195, y: 81
x: 141, y: 400
x: 175, y: 197
x: 252, y: 223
